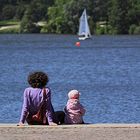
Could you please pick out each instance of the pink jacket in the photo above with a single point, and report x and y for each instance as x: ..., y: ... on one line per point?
x: 74, y: 112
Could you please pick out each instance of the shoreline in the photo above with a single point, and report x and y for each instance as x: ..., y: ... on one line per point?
x: 71, y: 132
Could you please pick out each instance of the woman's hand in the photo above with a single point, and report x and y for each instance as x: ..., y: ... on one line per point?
x: 52, y: 123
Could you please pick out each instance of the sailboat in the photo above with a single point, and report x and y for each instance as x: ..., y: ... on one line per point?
x: 84, y: 31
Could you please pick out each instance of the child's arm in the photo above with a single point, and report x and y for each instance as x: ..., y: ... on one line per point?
x: 82, y: 109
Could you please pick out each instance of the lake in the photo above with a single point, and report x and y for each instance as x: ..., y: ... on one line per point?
x: 105, y: 69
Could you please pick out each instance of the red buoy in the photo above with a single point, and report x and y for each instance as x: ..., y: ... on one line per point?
x: 77, y: 44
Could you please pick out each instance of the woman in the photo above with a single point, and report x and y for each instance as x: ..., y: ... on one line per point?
x: 33, y: 98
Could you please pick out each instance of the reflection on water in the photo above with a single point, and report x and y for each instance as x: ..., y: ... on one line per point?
x: 105, y: 69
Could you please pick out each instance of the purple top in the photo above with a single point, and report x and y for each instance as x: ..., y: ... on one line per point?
x: 32, y: 99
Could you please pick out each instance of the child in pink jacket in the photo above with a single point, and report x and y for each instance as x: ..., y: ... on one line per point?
x: 74, y: 111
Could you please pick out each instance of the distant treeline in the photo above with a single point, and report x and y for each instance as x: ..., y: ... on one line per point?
x: 62, y: 16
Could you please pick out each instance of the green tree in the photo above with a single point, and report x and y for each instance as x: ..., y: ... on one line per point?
x: 36, y: 11
x: 134, y: 12
x: 56, y: 22
x: 98, y: 11
x: 8, y: 12
x: 118, y: 17
x: 20, y: 11
x: 73, y: 11
x: 28, y: 24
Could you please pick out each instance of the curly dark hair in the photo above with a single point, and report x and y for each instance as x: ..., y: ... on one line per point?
x: 38, y: 79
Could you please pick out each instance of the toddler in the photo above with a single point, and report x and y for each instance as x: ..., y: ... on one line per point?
x: 74, y: 111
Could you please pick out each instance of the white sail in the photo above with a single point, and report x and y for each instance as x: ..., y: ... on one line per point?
x: 84, y: 31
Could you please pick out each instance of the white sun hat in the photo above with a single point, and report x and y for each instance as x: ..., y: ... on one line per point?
x: 74, y: 94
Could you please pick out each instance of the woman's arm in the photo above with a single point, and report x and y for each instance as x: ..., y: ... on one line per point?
x: 49, y: 108
x: 24, y: 108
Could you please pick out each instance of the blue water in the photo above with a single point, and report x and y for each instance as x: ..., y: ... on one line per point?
x: 105, y: 69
